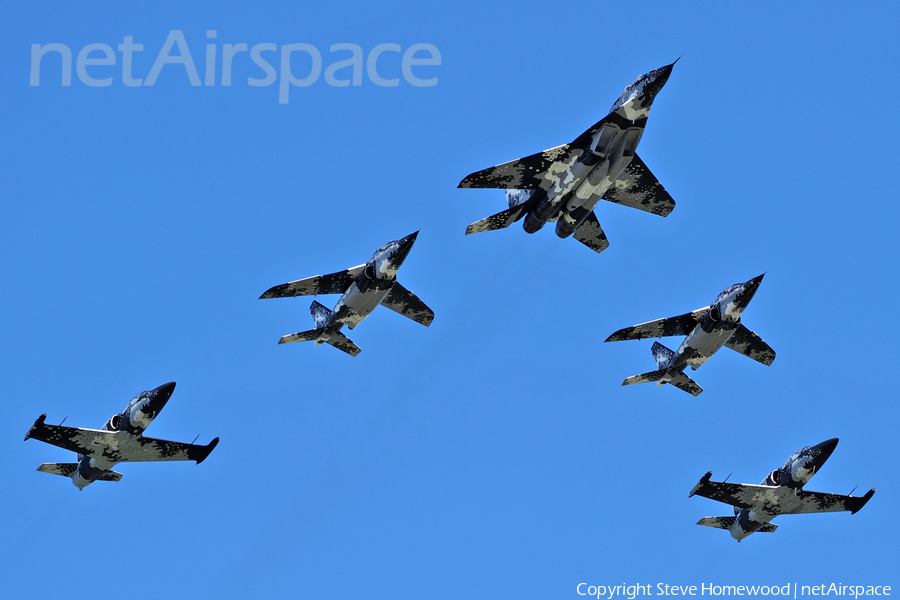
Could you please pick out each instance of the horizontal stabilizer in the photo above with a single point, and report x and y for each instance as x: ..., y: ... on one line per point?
x: 404, y: 302
x: 335, y: 283
x: 645, y: 377
x: 679, y: 380
x: 343, y: 343
x: 338, y: 340
x: 717, y: 522
x: 64, y: 469
x: 637, y: 188
x: 528, y: 173
x: 686, y: 384
x: 499, y: 221
x: 726, y: 522
x: 303, y: 336
x: 751, y: 345
x: 68, y: 469
x: 591, y: 234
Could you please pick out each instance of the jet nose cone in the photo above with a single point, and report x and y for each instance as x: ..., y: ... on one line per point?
x: 748, y: 291
x: 656, y: 79
x: 403, y: 247
x: 755, y: 281
x: 410, y: 239
x: 161, y: 395
x: 165, y: 389
x: 662, y: 74
x: 667, y: 70
x: 819, y: 454
x: 825, y: 449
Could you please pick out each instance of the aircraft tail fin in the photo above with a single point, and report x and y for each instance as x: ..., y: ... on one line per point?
x: 663, y: 355
x: 320, y: 314
x: 727, y: 522
x: 343, y: 343
x: 517, y: 197
x: 591, y: 234
x: 68, y: 469
x: 499, y: 221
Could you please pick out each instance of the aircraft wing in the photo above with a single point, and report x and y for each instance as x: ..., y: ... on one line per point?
x: 402, y: 301
x: 680, y: 325
x: 772, y: 500
x: 529, y: 173
x: 334, y: 283
x: 638, y: 188
x: 814, y: 502
x: 751, y: 345
x: 116, y: 446
x: 552, y: 167
x: 76, y: 439
x: 759, y: 498
x: 151, y: 449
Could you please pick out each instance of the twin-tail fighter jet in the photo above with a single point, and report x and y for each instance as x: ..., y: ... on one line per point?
x: 121, y: 439
x: 780, y: 493
x: 362, y: 289
x: 707, y: 330
x: 565, y: 183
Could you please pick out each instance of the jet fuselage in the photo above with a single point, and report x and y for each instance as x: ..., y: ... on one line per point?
x: 121, y: 439
x: 368, y: 290
x: 793, y: 475
x: 717, y: 326
x: 131, y: 422
x: 579, y: 185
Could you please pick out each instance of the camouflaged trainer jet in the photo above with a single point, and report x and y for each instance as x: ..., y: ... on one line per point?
x: 363, y: 288
x: 707, y: 330
x: 121, y: 439
x: 781, y: 493
x: 565, y: 183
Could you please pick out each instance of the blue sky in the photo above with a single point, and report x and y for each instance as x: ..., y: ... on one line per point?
x: 494, y: 454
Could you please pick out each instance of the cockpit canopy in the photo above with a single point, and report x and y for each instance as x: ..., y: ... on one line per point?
x: 730, y: 290
x: 631, y: 91
x: 383, y: 249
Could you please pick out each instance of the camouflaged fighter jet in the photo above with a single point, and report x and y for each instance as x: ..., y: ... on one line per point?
x: 707, y: 330
x: 363, y: 288
x: 781, y: 493
x: 565, y: 183
x: 121, y: 439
